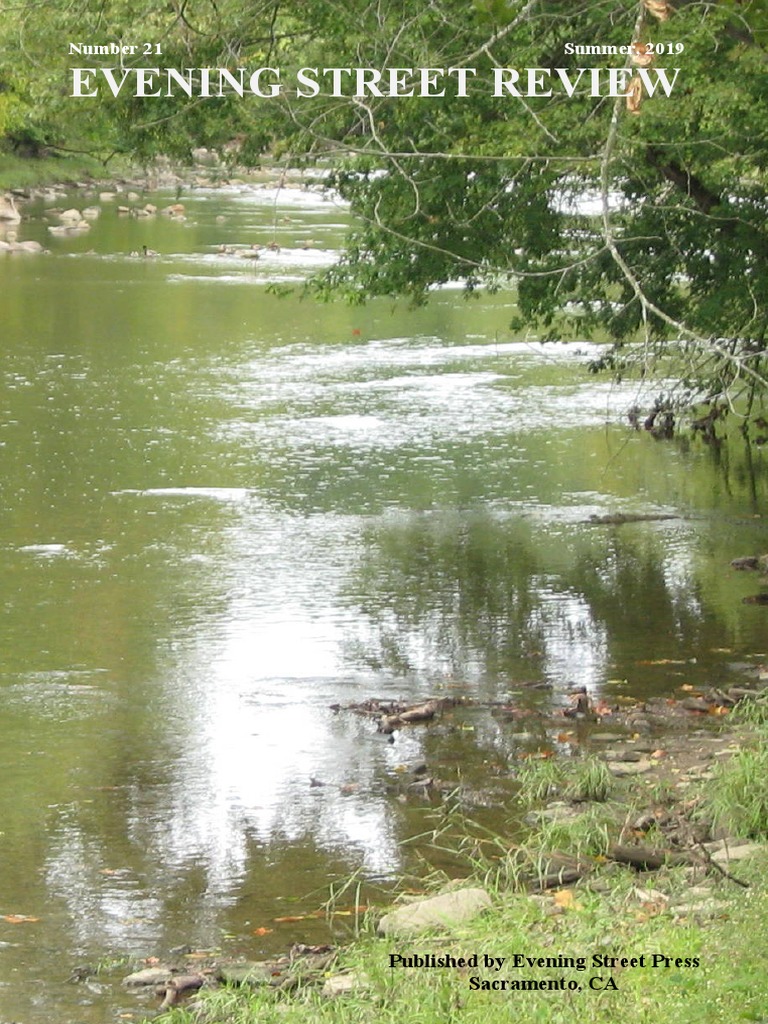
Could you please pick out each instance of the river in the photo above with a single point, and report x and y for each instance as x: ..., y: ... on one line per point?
x: 225, y: 510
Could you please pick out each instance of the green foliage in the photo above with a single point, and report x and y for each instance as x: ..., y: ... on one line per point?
x: 738, y: 797
x: 540, y: 780
x: 753, y: 711
x: 729, y: 982
x: 484, y: 189
x: 581, y: 781
x: 589, y: 781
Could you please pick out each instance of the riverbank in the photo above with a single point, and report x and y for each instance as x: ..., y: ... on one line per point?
x: 18, y: 172
x: 626, y: 900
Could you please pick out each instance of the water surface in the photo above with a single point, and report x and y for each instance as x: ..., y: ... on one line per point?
x: 224, y: 511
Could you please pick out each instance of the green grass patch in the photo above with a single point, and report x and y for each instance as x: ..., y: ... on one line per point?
x: 21, y: 172
x: 615, y: 946
x: 584, y: 780
x: 704, y: 970
x: 738, y: 798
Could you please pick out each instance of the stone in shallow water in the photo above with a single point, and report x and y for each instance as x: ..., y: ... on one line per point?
x: 449, y: 908
x: 149, y: 976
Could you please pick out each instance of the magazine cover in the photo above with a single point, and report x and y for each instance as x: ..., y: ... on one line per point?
x: 382, y: 559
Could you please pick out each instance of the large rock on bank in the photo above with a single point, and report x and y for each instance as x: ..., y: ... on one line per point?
x: 442, y: 911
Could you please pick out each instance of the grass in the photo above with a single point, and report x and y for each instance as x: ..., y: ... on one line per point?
x: 20, y: 172
x: 738, y: 799
x: 728, y: 985
x: 753, y: 712
x: 540, y: 780
x: 709, y: 968
x: 590, y: 781
x: 584, y: 780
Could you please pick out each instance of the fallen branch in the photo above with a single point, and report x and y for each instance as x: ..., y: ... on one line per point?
x: 646, y: 858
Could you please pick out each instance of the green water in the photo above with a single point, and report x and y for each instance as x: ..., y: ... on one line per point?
x: 224, y: 511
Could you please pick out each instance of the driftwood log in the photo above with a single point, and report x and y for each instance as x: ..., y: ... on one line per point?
x: 418, y: 713
x: 647, y: 858
x: 179, y: 986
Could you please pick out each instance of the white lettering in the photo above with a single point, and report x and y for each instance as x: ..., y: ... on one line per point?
x: 307, y: 77
x: 461, y: 78
x: 504, y: 79
x: 661, y: 79
x: 81, y: 79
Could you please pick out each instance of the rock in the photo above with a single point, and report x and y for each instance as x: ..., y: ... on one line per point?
x: 746, y: 562
x: 342, y: 984
x: 639, y: 723
x: 558, y: 811
x: 738, y: 693
x: 695, y: 704
x: 252, y: 972
x: 71, y: 216
x: 706, y: 908
x: 728, y: 854
x: 149, y: 976
x: 622, y: 768
x: 444, y: 910
x: 8, y: 212
x: 623, y: 755
x: 29, y: 246
x: 698, y: 773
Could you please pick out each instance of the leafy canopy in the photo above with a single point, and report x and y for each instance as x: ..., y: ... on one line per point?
x: 638, y: 218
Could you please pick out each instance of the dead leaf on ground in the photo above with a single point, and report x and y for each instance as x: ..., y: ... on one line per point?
x: 566, y: 900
